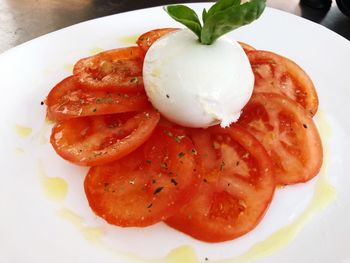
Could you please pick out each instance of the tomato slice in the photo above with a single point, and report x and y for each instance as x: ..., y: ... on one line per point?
x: 147, y: 186
x: 114, y: 70
x: 288, y: 134
x: 246, y: 47
x: 277, y: 74
x: 101, y: 139
x: 236, y: 190
x: 147, y: 39
x: 66, y: 100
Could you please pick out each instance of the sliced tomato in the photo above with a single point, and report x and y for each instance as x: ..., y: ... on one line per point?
x: 66, y: 100
x: 147, y: 186
x: 114, y: 70
x: 246, y: 47
x: 288, y: 134
x: 237, y: 186
x: 277, y: 74
x: 147, y: 39
x: 101, y: 139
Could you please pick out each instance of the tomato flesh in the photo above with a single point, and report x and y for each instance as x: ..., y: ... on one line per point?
x: 97, y: 140
x: 277, y: 74
x: 147, y: 186
x: 246, y: 47
x: 237, y: 186
x: 288, y: 134
x: 114, y: 70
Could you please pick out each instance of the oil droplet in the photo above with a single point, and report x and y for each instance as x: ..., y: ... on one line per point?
x: 68, y: 67
x: 19, y: 151
x: 70, y: 216
x: 181, y: 254
x: 23, y: 131
x: 95, y: 50
x: 325, y: 128
x: 90, y: 233
x: 128, y: 40
x: 55, y: 188
x: 324, y: 194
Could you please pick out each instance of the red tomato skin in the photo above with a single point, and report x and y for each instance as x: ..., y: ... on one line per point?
x: 89, y: 141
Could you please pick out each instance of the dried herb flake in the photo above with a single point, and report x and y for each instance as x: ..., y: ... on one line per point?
x: 158, y: 190
x: 181, y: 154
x: 174, y: 181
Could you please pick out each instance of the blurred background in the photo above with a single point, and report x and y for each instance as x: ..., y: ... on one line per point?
x: 23, y: 20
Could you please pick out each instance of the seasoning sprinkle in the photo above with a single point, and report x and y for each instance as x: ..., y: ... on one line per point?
x: 181, y: 154
x: 164, y: 165
x: 168, y: 133
x: 134, y: 80
x: 158, y: 190
x: 132, y: 181
x: 178, y: 138
x: 174, y: 181
x: 222, y: 166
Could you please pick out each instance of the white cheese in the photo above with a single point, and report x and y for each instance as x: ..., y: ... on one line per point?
x: 197, y: 85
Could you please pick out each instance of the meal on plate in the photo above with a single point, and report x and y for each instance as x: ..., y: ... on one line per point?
x: 188, y: 126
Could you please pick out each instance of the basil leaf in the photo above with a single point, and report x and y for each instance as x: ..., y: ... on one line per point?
x: 222, y: 5
x: 204, y: 15
x: 224, y: 21
x: 185, y: 16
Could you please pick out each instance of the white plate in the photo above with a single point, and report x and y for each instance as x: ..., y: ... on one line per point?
x: 36, y: 227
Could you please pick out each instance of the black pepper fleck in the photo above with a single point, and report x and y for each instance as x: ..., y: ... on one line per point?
x: 174, y: 181
x: 181, y: 154
x: 158, y: 190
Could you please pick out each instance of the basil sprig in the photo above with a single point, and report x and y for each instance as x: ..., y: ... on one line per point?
x: 223, y: 17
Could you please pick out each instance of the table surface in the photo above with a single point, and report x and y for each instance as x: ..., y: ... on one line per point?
x: 23, y: 20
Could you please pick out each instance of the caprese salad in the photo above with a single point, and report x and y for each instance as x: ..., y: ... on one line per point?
x: 188, y: 127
